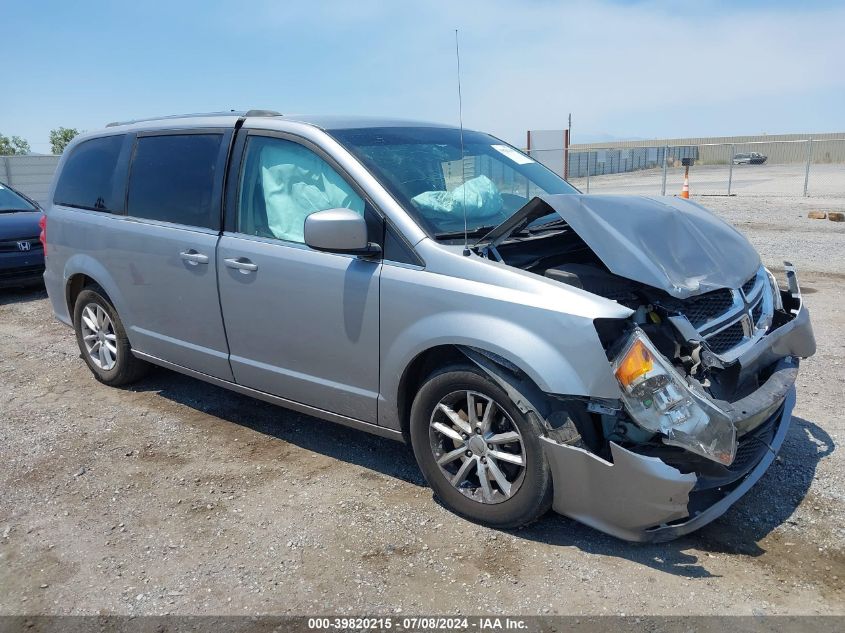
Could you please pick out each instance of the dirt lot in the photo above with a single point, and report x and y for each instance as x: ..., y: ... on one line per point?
x: 179, y: 497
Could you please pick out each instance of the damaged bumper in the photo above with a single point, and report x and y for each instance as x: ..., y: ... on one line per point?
x: 793, y: 338
x: 649, y: 498
x: 641, y: 498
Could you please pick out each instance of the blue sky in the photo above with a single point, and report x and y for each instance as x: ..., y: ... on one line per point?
x: 624, y: 69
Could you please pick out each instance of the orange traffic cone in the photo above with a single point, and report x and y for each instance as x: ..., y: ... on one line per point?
x: 685, y: 190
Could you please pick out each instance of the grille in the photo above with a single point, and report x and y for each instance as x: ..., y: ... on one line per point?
x: 20, y: 271
x: 11, y: 246
x: 725, y: 308
x: 757, y: 311
x: 726, y: 339
x: 748, y: 286
x: 750, y: 447
x: 699, y: 310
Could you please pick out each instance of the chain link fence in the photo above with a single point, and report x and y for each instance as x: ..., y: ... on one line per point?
x: 805, y: 167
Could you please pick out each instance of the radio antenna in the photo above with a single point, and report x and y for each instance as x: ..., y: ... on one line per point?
x: 461, y: 127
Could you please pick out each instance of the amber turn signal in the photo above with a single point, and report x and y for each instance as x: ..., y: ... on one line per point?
x: 637, y: 362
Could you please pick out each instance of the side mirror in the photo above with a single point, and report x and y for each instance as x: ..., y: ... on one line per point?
x: 339, y: 231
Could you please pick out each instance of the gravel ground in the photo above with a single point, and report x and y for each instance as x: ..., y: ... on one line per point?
x: 175, y: 496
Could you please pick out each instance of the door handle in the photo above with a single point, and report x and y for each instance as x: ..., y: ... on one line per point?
x: 193, y: 257
x: 241, y: 263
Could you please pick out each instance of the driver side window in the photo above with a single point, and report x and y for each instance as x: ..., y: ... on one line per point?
x: 282, y: 183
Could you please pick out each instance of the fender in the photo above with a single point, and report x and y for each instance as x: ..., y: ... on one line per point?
x: 82, y: 263
x: 552, y: 368
x: 543, y: 327
x: 562, y: 419
x: 520, y: 389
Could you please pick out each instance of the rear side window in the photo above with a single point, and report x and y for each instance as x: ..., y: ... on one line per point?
x: 88, y: 179
x: 172, y: 179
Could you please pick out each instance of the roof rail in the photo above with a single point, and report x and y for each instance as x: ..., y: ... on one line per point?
x: 238, y: 113
x: 262, y: 113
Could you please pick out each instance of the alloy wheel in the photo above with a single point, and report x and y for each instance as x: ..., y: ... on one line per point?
x: 99, y: 336
x: 477, y: 446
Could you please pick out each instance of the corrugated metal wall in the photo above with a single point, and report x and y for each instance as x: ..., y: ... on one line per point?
x: 616, y: 161
x: 715, y: 150
x: 698, y: 140
x: 31, y: 175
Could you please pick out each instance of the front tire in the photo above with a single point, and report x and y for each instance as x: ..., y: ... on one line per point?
x: 479, y: 453
x: 103, y: 342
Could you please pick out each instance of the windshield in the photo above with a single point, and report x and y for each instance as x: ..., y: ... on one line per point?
x: 10, y: 201
x: 422, y: 168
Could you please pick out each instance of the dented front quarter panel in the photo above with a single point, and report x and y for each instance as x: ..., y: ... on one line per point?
x: 542, y: 327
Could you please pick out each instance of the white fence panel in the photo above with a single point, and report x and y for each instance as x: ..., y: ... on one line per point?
x: 31, y: 175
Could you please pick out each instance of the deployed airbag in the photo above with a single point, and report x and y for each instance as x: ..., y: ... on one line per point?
x: 297, y: 183
x: 482, y: 197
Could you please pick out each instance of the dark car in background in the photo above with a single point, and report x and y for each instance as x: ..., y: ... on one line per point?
x: 21, y: 251
x: 751, y: 158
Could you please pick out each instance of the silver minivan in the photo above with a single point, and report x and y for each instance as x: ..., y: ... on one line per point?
x: 626, y: 361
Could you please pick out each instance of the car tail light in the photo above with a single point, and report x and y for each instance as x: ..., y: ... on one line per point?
x: 42, y: 223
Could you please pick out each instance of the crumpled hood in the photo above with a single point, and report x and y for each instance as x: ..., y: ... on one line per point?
x: 20, y: 224
x: 667, y: 243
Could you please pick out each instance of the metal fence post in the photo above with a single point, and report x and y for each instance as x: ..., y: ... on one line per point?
x: 665, y: 161
x: 731, y: 168
x: 588, y: 172
x: 807, y: 169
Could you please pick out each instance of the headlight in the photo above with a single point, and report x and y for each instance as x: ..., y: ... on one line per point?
x: 660, y: 400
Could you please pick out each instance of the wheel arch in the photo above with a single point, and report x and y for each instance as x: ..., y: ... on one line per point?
x: 76, y: 283
x: 80, y: 272
x: 522, y: 389
x: 420, y: 367
x: 568, y: 362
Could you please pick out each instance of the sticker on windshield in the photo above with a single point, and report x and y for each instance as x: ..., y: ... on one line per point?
x: 510, y: 152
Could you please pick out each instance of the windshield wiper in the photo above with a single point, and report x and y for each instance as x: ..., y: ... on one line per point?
x: 552, y: 225
x: 479, y: 231
x: 532, y: 210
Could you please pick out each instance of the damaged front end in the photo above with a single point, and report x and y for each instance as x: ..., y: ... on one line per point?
x: 695, y: 426
x: 706, y: 365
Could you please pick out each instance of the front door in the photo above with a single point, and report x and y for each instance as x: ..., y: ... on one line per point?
x: 301, y: 324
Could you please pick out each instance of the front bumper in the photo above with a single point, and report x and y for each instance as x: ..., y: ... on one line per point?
x: 643, y: 498
x: 21, y: 268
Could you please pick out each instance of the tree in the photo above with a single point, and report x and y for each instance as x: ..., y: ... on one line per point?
x: 13, y: 146
x: 60, y: 137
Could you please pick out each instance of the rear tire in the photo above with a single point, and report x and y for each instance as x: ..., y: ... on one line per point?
x: 103, y: 342
x: 490, y: 469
